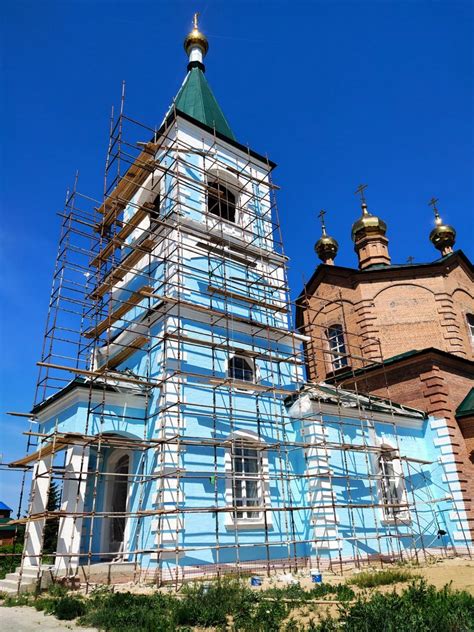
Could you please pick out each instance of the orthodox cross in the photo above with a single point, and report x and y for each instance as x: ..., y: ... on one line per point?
x: 321, y: 215
x: 432, y: 203
x: 195, y: 21
x: 360, y: 191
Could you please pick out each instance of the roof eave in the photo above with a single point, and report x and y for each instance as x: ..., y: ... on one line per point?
x: 175, y: 113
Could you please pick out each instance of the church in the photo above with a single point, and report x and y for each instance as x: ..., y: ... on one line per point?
x: 404, y: 330
x: 188, y: 424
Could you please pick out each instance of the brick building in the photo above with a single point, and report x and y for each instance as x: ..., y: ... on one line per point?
x: 405, y: 332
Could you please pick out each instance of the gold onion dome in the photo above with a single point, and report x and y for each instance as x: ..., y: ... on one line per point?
x: 326, y: 247
x: 442, y: 236
x: 369, y: 223
x: 196, y: 38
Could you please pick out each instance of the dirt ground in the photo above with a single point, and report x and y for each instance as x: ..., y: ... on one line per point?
x: 439, y: 572
x: 458, y: 571
x: 26, y: 619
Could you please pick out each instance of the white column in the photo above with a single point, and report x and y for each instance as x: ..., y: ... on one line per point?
x: 70, y: 526
x: 38, y: 504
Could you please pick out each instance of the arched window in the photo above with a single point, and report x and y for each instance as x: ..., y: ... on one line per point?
x: 246, y: 483
x: 241, y: 368
x: 470, y: 327
x: 337, y: 347
x: 220, y: 201
x: 392, y: 488
x: 114, y: 524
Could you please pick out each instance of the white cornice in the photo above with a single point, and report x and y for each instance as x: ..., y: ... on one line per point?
x: 352, y: 413
x: 83, y: 395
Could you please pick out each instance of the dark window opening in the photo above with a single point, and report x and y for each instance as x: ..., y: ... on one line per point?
x: 221, y: 201
x: 155, y: 212
x: 241, y: 369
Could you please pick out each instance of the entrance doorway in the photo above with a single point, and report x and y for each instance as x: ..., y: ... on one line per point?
x: 116, y: 504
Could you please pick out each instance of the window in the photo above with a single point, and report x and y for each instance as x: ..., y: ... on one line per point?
x: 391, y: 485
x: 155, y: 212
x: 335, y: 337
x: 470, y: 326
x: 246, y: 487
x: 241, y: 368
x: 221, y: 201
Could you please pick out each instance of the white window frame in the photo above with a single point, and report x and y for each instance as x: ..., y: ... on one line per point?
x: 110, y: 463
x: 337, y: 361
x: 230, y: 182
x: 470, y: 327
x: 232, y: 518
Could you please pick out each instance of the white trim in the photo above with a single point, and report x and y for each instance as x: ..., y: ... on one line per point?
x: 297, y: 411
x: 81, y: 394
x: 231, y: 522
x: 255, y: 371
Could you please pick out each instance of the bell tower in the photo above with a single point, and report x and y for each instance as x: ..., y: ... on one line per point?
x: 368, y: 235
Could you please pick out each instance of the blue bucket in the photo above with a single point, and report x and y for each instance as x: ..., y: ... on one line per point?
x: 255, y: 581
x: 316, y: 577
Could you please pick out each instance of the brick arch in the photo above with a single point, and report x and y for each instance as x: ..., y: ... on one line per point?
x: 327, y: 303
x: 407, y: 318
x: 399, y: 285
x: 463, y: 304
x: 462, y: 290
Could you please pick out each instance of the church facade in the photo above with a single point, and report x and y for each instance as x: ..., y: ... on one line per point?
x: 188, y: 440
x: 404, y: 330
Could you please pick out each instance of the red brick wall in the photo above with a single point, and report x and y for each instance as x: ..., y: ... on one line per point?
x: 388, y: 314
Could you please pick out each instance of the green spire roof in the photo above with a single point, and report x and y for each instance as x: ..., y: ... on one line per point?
x: 195, y: 98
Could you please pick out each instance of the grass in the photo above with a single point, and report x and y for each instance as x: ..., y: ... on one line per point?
x: 420, y: 608
x: 371, y: 579
x: 233, y: 606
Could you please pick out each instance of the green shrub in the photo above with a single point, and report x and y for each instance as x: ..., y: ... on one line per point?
x: 15, y: 600
x: 296, y: 592
x: 261, y: 616
x: 9, y: 562
x: 211, y: 604
x: 57, y: 590
x: 419, y: 608
x: 67, y: 608
x: 370, y: 579
x: 125, y: 612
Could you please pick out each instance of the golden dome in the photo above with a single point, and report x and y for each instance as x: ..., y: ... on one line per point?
x: 442, y: 236
x: 369, y: 223
x: 326, y: 247
x: 196, y: 38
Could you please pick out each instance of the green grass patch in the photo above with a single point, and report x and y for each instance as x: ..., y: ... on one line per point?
x: 371, y: 579
x: 234, y: 606
x: 419, y: 608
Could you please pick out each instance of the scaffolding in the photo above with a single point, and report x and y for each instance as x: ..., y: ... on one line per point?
x: 143, y: 229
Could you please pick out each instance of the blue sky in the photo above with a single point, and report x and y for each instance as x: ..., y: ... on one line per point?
x: 336, y: 93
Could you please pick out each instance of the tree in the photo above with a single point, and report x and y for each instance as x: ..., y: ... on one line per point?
x: 51, y: 528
